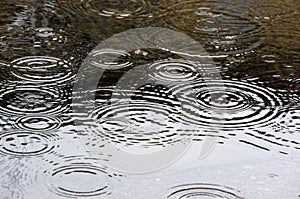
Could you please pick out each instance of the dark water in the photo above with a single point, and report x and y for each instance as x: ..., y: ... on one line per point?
x: 225, y: 125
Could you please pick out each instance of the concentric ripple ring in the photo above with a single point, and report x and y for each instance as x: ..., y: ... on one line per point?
x: 26, y: 143
x: 32, y: 99
x: 38, y: 123
x: 245, y: 104
x: 42, y: 69
x: 199, y: 190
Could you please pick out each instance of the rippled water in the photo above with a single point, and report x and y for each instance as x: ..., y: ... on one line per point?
x: 205, y: 105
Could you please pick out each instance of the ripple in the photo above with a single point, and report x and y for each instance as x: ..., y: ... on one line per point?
x: 288, y: 120
x: 268, y: 139
x: 117, y: 9
x: 28, y: 99
x: 42, y: 69
x: 100, y: 59
x: 79, y: 177
x: 173, y: 71
x: 223, y: 32
x: 41, y: 41
x: 26, y: 143
x: 202, y: 190
x: 137, y: 123
x: 27, y: 30
x: 38, y: 123
x: 45, y: 32
x: 240, y: 104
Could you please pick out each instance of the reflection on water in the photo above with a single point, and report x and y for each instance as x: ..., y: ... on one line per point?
x: 252, y: 114
x: 221, y: 31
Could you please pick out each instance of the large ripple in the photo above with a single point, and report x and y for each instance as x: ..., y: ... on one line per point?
x: 241, y: 104
x: 31, y: 99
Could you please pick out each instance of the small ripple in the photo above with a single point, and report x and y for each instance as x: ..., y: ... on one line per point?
x: 42, y: 69
x: 243, y: 104
x: 26, y: 143
x: 197, y: 190
x: 80, y: 177
x: 292, y: 121
x: 45, y: 32
x: 100, y: 59
x: 173, y: 71
x: 268, y: 12
x: 288, y: 120
x: 29, y: 99
x: 223, y: 32
x: 38, y: 123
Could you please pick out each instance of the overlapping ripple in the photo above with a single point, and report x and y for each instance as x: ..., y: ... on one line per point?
x: 137, y: 123
x: 222, y: 32
x: 202, y: 190
x: 240, y: 105
x: 42, y: 69
x: 32, y: 99
x: 27, y: 143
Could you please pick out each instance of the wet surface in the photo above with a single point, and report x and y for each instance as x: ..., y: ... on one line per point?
x: 232, y: 105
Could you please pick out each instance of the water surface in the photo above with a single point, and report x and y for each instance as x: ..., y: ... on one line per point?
x: 148, y: 100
